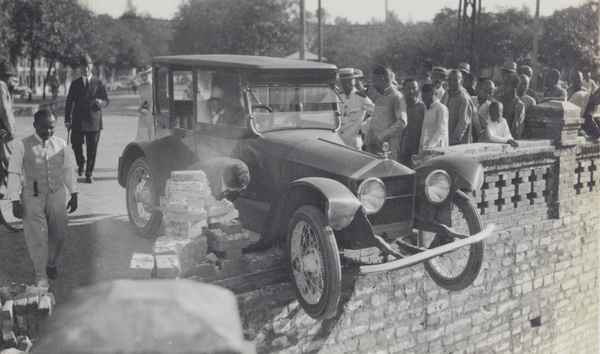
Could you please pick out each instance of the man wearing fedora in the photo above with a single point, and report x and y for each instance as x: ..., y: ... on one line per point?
x: 439, y: 75
x: 355, y: 107
x: 145, y: 120
x: 7, y: 118
x: 83, y: 115
x: 508, y: 68
x: 468, y: 78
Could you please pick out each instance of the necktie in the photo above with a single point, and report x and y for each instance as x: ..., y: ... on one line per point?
x: 86, y: 82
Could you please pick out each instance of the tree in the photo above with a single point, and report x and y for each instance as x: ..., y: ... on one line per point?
x: 260, y: 27
x: 570, y: 38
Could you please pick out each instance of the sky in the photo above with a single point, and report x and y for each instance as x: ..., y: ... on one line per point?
x: 356, y: 11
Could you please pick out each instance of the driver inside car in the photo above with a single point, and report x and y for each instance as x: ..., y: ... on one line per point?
x: 221, y: 111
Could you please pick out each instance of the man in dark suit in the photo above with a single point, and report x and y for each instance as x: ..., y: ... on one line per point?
x: 221, y: 111
x: 83, y: 114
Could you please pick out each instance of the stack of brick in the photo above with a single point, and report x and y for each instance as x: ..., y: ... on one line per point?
x: 203, y: 237
x: 22, y: 313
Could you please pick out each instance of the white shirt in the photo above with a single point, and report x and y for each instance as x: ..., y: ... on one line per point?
x: 496, y: 132
x: 353, y: 109
x: 15, y: 168
x: 435, y: 126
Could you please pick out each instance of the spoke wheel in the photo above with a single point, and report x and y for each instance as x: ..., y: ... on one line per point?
x: 7, y: 218
x: 458, y: 269
x: 141, y: 201
x: 314, y: 262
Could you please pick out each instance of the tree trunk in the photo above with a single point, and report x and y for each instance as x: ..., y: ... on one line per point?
x: 50, y: 66
x: 32, y: 72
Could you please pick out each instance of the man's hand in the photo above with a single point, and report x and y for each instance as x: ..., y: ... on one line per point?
x: 3, y: 134
x: 17, y: 209
x: 513, y: 143
x: 72, y: 204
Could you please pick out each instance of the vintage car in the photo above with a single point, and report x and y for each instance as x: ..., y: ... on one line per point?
x: 308, y: 190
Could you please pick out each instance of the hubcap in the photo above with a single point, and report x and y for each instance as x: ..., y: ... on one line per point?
x: 307, y: 263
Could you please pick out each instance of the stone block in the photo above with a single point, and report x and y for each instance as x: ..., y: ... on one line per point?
x: 141, y: 266
x: 220, y: 241
x: 177, y: 206
x: 8, y: 310
x: 164, y: 245
x: 167, y: 266
x: 32, y: 303
x: 192, y: 175
x: 21, y: 306
x: 254, y: 236
x: 196, y: 216
x: 205, y: 269
x: 223, y: 218
x: 236, y: 265
x: 21, y: 324
x: 221, y: 207
x: 231, y: 254
x: 232, y: 227
x: 9, y: 338
x: 46, y: 303
x: 24, y: 343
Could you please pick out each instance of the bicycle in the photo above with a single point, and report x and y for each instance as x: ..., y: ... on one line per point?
x: 6, y: 216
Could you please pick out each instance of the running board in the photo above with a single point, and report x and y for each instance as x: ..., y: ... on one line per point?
x: 423, y: 256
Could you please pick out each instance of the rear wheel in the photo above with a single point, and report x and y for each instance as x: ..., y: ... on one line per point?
x: 314, y: 262
x: 141, y: 200
x: 458, y: 269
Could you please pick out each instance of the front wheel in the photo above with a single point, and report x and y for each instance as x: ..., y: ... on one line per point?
x: 314, y: 262
x: 141, y: 200
x: 458, y: 269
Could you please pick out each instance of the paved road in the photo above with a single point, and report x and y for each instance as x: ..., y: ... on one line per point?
x: 100, y: 241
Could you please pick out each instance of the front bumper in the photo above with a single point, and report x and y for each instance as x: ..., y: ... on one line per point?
x: 420, y: 257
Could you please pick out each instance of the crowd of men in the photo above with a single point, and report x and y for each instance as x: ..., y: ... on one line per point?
x: 441, y: 107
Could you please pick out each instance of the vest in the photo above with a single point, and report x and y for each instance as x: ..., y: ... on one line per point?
x: 44, y: 166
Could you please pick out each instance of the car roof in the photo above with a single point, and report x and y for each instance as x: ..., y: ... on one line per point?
x: 243, y: 62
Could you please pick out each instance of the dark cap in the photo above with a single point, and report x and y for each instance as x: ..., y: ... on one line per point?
x: 7, y: 69
x: 381, y: 70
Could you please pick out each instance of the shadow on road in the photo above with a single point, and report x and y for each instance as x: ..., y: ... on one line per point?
x: 95, y: 250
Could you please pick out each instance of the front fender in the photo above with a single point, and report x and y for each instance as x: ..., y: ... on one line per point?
x: 163, y: 155
x: 465, y: 173
x: 336, y: 201
x: 341, y: 203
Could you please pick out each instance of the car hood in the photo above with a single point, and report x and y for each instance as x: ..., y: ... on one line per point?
x: 323, y: 154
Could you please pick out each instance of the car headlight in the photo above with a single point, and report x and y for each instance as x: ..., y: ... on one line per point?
x: 371, y: 194
x: 437, y: 186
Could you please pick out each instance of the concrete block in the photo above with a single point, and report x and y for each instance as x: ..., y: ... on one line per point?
x: 21, y: 324
x: 45, y: 305
x: 167, y: 266
x: 177, y: 206
x: 231, y: 254
x: 24, y: 343
x: 8, y: 310
x: 192, y: 175
x: 223, y: 218
x: 9, y: 338
x: 196, y: 216
x: 164, y: 245
x: 32, y: 303
x: 204, y: 270
x: 141, y: 266
x: 221, y: 207
x: 220, y: 241
x: 21, y: 306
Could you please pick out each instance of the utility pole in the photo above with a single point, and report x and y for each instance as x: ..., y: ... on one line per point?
x: 536, y: 37
x: 320, y: 14
x: 302, y: 51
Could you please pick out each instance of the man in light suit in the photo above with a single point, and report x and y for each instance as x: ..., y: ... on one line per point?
x: 83, y: 114
x: 45, y: 164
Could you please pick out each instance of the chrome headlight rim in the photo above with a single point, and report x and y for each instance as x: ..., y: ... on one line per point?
x: 431, y: 175
x: 361, y: 188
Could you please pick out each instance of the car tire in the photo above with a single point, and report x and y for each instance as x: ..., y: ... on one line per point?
x: 141, y: 200
x: 457, y: 270
x: 314, y: 262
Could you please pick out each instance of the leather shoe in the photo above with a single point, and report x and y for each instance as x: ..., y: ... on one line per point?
x: 51, y: 272
x: 80, y: 170
x: 89, y: 179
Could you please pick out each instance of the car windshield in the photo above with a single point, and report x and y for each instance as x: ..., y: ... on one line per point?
x: 293, y: 107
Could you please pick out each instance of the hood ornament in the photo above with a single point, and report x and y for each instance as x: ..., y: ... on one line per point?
x: 385, y: 148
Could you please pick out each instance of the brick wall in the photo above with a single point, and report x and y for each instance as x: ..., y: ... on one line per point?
x: 538, y: 288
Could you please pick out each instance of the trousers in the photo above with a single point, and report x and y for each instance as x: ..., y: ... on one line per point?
x: 44, y: 226
x: 91, y: 146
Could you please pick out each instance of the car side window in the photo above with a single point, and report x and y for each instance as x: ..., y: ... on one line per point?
x: 219, y: 99
x: 183, y: 104
x: 162, y: 97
